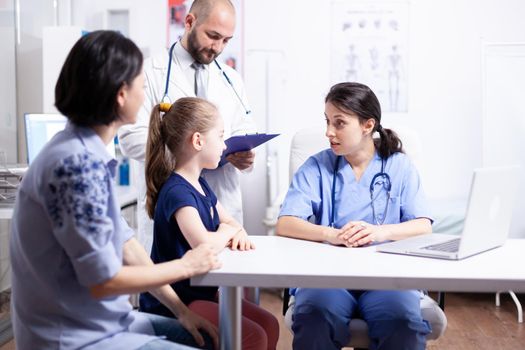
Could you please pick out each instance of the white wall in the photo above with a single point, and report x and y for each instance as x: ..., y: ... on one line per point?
x: 34, y: 15
x: 7, y: 83
x: 504, y: 116
x: 287, y: 58
x: 57, y: 41
x: 36, y: 78
x: 266, y: 79
x: 147, y: 19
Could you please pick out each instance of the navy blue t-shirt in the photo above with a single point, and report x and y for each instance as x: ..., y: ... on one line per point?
x: 168, y: 241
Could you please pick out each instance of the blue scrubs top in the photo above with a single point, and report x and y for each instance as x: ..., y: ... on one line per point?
x: 310, y: 192
x: 168, y: 241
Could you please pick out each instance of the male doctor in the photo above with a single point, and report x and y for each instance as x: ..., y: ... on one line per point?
x: 194, y: 71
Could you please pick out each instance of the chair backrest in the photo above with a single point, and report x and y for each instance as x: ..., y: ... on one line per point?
x: 307, y: 142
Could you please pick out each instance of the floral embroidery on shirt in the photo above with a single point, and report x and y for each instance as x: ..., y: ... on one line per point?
x: 79, y: 191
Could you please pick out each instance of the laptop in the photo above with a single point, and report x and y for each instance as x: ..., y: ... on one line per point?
x: 39, y: 128
x: 487, y: 220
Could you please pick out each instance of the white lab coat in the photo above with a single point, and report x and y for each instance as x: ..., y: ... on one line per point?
x: 225, y: 180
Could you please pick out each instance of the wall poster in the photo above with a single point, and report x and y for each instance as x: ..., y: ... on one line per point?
x: 369, y: 44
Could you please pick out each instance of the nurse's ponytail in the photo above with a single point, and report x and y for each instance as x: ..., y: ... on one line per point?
x: 169, y: 127
x: 388, y: 142
x: 360, y: 100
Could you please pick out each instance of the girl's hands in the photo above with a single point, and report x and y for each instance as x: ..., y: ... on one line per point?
x: 239, y: 238
x: 241, y: 241
x: 360, y: 233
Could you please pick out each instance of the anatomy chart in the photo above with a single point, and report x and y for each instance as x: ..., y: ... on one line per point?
x: 369, y: 45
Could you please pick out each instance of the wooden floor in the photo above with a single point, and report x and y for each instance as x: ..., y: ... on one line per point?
x: 474, y: 323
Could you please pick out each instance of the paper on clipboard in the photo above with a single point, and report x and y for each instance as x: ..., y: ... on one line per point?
x: 242, y: 143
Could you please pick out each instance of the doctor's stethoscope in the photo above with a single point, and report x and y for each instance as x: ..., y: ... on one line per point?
x: 165, y: 96
x: 380, y: 179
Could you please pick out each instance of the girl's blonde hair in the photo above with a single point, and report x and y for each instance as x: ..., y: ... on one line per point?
x: 166, y: 136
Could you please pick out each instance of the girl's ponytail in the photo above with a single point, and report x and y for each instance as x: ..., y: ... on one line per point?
x: 159, y: 163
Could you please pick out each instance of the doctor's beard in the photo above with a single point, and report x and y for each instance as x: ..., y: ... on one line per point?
x: 199, y: 53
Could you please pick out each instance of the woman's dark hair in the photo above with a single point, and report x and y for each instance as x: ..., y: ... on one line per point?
x: 97, y: 67
x: 360, y: 100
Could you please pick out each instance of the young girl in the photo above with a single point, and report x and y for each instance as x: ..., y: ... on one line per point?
x: 184, y: 140
x: 361, y: 190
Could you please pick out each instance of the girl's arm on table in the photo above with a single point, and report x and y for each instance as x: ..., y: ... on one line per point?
x: 240, y: 240
x: 196, y: 233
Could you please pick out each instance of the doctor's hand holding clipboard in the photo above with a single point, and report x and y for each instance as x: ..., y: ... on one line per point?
x: 239, y: 149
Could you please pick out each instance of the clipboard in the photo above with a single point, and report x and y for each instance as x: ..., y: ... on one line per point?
x: 242, y: 143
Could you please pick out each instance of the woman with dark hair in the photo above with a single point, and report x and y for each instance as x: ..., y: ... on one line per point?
x: 73, y: 257
x: 361, y: 190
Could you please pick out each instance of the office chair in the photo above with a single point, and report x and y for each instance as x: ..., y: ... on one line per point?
x: 516, y: 302
x: 430, y: 310
x: 310, y: 141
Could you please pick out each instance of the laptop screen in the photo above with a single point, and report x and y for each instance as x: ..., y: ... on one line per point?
x: 39, y: 129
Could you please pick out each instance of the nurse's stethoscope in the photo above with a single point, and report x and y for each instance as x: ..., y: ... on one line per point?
x: 165, y: 97
x: 380, y: 179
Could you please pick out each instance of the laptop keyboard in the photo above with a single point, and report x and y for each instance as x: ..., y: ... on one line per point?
x: 451, y: 246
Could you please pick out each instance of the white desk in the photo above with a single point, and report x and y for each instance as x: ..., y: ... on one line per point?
x: 284, y: 262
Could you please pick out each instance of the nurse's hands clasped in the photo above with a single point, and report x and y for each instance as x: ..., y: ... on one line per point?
x: 333, y: 236
x: 359, y: 233
x: 242, y: 160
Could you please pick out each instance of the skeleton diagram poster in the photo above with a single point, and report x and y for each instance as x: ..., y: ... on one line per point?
x: 370, y: 46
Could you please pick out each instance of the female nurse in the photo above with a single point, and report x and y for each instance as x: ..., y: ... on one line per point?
x: 360, y: 191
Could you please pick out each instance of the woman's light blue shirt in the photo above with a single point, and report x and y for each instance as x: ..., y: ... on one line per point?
x: 310, y: 192
x: 67, y: 234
